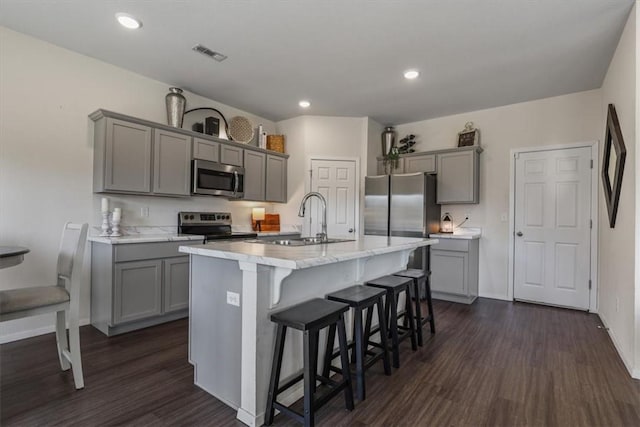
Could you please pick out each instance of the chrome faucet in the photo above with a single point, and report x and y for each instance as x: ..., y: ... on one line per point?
x: 323, y: 234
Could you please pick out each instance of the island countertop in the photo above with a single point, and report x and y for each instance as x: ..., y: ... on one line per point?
x: 299, y: 257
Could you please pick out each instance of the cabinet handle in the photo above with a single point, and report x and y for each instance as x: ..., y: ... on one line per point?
x: 519, y: 234
x: 351, y: 230
x: 235, y: 183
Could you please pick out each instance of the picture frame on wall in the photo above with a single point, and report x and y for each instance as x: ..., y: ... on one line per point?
x: 469, y: 136
x: 613, y: 160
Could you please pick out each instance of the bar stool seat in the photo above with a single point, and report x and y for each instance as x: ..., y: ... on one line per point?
x: 419, y: 276
x: 309, y: 317
x: 361, y: 298
x: 394, y: 286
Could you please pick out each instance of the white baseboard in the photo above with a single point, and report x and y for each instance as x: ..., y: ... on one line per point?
x: 635, y: 373
x: 494, y: 296
x: 17, y: 336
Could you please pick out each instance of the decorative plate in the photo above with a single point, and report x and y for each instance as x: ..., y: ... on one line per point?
x: 240, y: 129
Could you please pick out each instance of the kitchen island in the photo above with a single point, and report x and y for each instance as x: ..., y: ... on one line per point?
x: 234, y: 286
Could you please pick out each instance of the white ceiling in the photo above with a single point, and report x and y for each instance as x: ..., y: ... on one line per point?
x: 346, y: 57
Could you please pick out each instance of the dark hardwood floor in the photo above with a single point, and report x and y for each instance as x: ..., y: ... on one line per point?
x: 492, y: 363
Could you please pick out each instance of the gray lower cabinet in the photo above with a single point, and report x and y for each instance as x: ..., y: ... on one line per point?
x: 454, y: 270
x: 254, y: 175
x: 458, y: 177
x: 231, y: 155
x: 206, y: 150
x: 171, y: 163
x: 276, y: 179
x: 138, y: 285
x: 122, y: 156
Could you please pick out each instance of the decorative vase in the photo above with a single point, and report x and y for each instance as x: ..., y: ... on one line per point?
x: 388, y: 140
x: 176, y: 103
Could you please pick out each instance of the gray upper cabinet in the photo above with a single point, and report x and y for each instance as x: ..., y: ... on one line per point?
x: 276, y: 179
x: 421, y: 163
x: 230, y: 155
x: 254, y: 175
x: 458, y: 177
x: 122, y: 160
x: 171, y: 163
x: 206, y: 150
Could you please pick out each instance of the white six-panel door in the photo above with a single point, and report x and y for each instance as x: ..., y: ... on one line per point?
x: 336, y: 181
x: 552, y: 227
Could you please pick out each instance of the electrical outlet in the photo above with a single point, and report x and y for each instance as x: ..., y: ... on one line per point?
x: 233, y: 298
x: 144, y: 212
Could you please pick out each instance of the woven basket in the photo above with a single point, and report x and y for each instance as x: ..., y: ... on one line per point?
x: 275, y: 143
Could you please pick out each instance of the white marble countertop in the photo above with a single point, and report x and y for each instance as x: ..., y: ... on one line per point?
x: 461, y: 233
x: 146, y: 238
x: 299, y: 257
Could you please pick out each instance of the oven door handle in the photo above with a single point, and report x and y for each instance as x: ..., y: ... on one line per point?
x: 236, y: 180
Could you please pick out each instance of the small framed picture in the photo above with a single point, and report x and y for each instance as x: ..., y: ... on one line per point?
x: 469, y: 136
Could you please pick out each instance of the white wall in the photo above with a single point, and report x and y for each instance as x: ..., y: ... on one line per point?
x: 309, y: 137
x: 46, y: 154
x: 617, y: 245
x: 563, y: 119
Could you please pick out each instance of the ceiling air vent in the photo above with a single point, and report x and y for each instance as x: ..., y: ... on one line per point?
x: 210, y: 53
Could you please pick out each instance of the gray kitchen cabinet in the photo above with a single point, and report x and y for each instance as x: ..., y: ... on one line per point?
x: 458, y: 177
x: 230, y: 155
x: 276, y: 179
x: 136, y: 285
x: 454, y: 270
x: 421, y: 163
x: 176, y: 284
x: 171, y: 163
x: 254, y: 175
x: 391, y: 167
x: 137, y: 290
x: 206, y: 150
x: 122, y: 156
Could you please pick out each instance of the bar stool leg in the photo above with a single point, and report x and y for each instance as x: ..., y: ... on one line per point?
x: 359, y: 351
x: 412, y: 318
x: 309, y: 379
x: 432, y: 318
x: 392, y: 311
x: 275, y: 373
x: 384, y: 340
x: 416, y: 288
x: 331, y: 338
x: 344, y: 359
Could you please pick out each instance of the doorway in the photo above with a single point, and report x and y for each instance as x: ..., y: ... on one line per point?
x: 337, y: 181
x: 553, y: 226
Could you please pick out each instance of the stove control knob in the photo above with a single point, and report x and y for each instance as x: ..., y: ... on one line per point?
x: 227, y: 217
x: 191, y: 217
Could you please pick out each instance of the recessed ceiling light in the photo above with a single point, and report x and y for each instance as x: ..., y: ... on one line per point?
x: 411, y: 74
x: 304, y: 104
x: 128, y: 21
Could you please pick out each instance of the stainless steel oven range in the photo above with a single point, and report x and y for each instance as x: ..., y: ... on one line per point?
x: 214, y: 226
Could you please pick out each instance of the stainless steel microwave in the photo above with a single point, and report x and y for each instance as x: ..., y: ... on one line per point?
x: 216, y: 179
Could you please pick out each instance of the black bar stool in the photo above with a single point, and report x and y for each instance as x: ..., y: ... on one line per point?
x: 309, y: 317
x: 361, y: 298
x: 418, y: 277
x: 394, y: 286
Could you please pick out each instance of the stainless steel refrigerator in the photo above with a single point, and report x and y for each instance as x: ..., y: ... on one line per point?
x: 402, y: 205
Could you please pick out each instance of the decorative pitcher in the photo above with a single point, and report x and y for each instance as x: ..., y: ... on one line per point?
x: 388, y: 140
x: 176, y: 103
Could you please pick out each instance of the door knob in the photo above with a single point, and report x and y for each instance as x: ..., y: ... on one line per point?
x: 519, y: 234
x: 351, y: 230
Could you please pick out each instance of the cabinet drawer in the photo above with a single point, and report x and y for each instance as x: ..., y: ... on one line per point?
x: 452, y: 245
x: 138, y: 251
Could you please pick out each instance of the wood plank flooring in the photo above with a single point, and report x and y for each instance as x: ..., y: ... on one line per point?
x: 492, y: 363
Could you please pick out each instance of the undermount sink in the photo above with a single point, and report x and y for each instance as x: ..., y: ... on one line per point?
x: 304, y: 241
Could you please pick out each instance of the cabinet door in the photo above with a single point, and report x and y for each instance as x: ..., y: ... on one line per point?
x: 276, y: 179
x: 254, y: 173
x: 172, y: 163
x: 137, y: 290
x: 176, y: 284
x: 458, y: 177
x: 425, y: 163
x: 449, y: 272
x: 206, y: 150
x: 391, y: 167
x: 127, y: 160
x: 231, y: 155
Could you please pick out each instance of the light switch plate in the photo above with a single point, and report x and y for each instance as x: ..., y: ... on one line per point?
x: 233, y: 298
